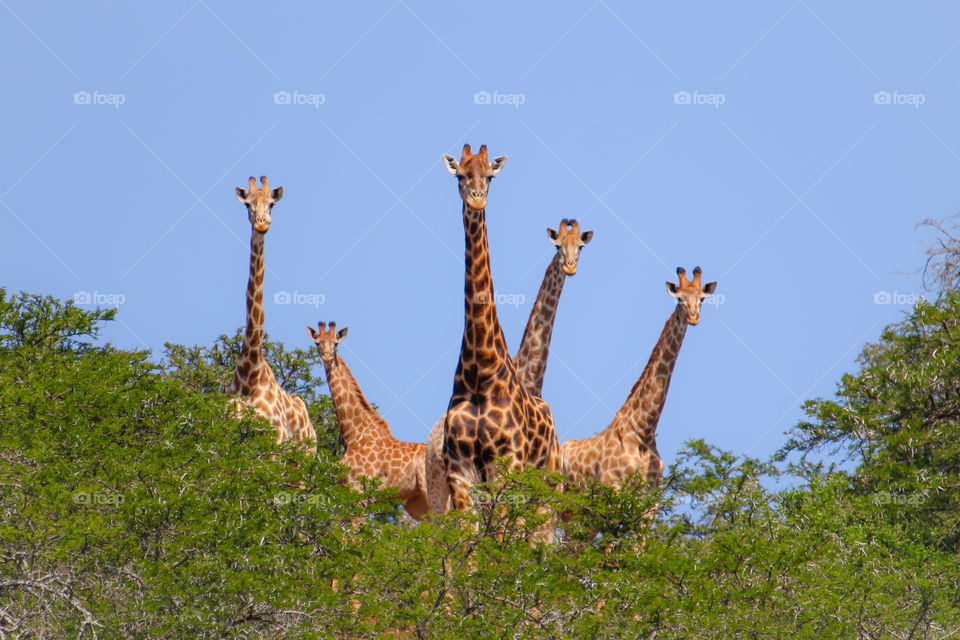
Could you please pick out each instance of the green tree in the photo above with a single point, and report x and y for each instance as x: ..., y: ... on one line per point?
x: 210, y: 370
x: 898, y: 420
x: 134, y: 504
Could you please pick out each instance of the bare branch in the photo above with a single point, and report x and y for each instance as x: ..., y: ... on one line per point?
x: 942, y: 269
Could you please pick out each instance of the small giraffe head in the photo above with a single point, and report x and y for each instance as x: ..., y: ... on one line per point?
x: 569, y: 241
x: 259, y: 201
x: 326, y: 340
x: 474, y: 173
x: 690, y: 293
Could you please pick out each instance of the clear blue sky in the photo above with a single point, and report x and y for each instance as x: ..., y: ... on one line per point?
x: 785, y: 175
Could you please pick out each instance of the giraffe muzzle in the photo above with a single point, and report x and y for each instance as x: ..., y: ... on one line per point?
x: 570, y: 269
x: 477, y: 202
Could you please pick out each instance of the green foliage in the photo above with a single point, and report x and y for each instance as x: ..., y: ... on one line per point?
x: 133, y: 504
x: 45, y: 323
x: 898, y: 419
x: 210, y: 370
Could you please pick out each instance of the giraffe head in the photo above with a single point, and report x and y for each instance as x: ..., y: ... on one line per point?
x: 259, y: 201
x: 326, y: 339
x: 474, y: 173
x: 569, y: 241
x: 690, y: 293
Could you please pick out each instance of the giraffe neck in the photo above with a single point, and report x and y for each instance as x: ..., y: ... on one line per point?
x: 483, y: 352
x: 354, y: 414
x: 643, y: 407
x: 531, y: 358
x: 251, y: 351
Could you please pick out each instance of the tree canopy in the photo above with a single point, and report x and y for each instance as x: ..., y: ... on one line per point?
x: 134, y: 504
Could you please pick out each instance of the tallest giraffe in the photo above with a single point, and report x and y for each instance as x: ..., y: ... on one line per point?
x: 490, y: 414
x: 253, y: 378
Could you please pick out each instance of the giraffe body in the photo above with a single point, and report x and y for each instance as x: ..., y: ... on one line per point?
x: 490, y: 414
x: 629, y: 443
x: 370, y: 448
x: 253, y: 379
x: 531, y: 357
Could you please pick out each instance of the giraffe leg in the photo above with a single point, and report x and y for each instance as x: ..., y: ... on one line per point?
x: 461, y: 478
x: 417, y: 507
x: 546, y: 532
x: 438, y: 491
x: 305, y: 432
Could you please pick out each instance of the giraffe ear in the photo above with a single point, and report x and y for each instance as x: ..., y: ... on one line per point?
x: 497, y: 164
x: 672, y: 288
x: 277, y: 194
x: 553, y: 235
x: 314, y: 334
x: 241, y: 194
x: 451, y: 163
x: 710, y: 287
x: 586, y: 236
x: 342, y: 334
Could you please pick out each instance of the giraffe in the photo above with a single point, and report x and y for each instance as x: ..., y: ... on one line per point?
x: 531, y: 357
x: 629, y: 444
x: 490, y: 414
x: 253, y: 380
x: 371, y: 450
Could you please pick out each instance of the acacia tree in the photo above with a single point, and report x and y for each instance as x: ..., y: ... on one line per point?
x: 210, y: 370
x: 942, y: 270
x: 898, y: 420
x: 133, y: 503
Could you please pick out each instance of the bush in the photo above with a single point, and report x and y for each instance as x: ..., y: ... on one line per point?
x: 134, y: 505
